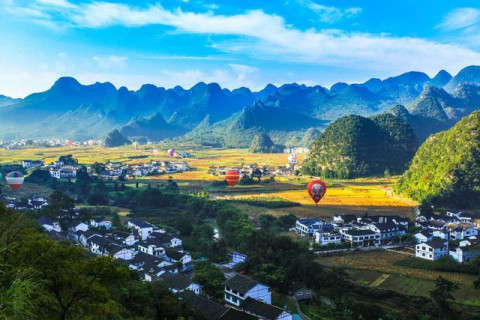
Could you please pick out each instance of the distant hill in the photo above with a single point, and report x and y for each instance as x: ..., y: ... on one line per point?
x: 214, y: 115
x: 116, y: 139
x: 262, y: 143
x: 468, y: 75
x: 446, y: 168
x: 152, y: 128
x: 441, y: 79
x: 354, y: 146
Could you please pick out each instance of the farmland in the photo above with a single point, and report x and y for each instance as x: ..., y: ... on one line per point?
x: 347, y: 196
x: 377, y: 268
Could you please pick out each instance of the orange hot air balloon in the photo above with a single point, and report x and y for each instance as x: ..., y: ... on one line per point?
x: 69, y: 142
x: 232, y: 177
x: 90, y: 142
x: 316, y: 189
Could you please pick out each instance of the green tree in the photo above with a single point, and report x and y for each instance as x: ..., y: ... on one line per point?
x: 210, y: 278
x: 442, y: 294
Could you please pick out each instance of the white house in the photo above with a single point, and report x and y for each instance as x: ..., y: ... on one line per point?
x: 178, y: 283
x: 265, y: 311
x: 101, y: 223
x: 122, y: 253
x: 48, y: 224
x: 387, y: 230
x: 440, y: 234
x: 239, y: 288
x: 324, y: 238
x: 423, y: 236
x: 463, y: 231
x: 465, y: 253
x: 76, y: 226
x: 307, y: 226
x: 166, y: 239
x: 151, y: 247
x: 32, y: 164
x: 432, y: 250
x: 178, y: 256
x: 144, y: 228
x: 361, y: 238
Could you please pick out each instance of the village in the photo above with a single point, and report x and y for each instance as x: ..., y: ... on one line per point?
x: 158, y: 255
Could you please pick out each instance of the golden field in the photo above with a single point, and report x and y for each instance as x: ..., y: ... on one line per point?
x: 346, y: 196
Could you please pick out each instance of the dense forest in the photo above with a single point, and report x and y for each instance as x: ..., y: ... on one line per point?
x: 446, y: 168
x: 354, y: 146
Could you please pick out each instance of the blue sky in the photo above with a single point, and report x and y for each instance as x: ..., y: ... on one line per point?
x: 233, y: 42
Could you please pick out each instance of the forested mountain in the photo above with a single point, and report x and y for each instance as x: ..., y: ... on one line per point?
x: 446, y: 168
x: 231, y: 117
x: 354, y: 146
x: 262, y: 143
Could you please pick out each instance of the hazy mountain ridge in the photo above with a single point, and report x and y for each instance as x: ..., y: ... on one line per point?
x: 72, y: 110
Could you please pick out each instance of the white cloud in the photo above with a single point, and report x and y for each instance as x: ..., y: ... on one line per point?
x: 460, y: 18
x: 110, y: 62
x: 330, y: 14
x: 267, y: 36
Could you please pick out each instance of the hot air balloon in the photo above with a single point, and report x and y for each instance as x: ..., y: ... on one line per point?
x: 232, y: 177
x: 69, y: 142
x: 184, y: 155
x: 90, y: 142
x: 155, y: 152
x: 171, y: 152
x: 14, y: 180
x: 292, y: 158
x: 316, y: 189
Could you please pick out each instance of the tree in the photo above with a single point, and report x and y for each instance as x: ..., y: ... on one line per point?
x: 68, y: 160
x: 59, y: 201
x: 98, y: 168
x: 266, y: 221
x: 443, y: 293
x: 210, y: 278
x: 72, y: 284
x: 40, y: 176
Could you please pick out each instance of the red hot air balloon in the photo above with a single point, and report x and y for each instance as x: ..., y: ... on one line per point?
x: 69, y: 142
x: 232, y: 177
x: 90, y: 142
x: 292, y: 158
x: 155, y: 152
x: 316, y: 189
x: 14, y: 180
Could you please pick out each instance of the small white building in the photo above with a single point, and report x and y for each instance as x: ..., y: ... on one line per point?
x: 240, y: 287
x: 144, y: 228
x: 48, y: 224
x: 306, y: 226
x: 361, y: 238
x: 32, y: 164
x: 432, y: 250
x: 101, y: 223
x: 423, y: 236
x: 177, y: 283
x: 325, y: 238
x: 463, y: 231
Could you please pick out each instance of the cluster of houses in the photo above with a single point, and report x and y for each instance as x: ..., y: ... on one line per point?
x: 250, y: 170
x: 357, y: 231
x: 158, y: 256
x: 33, y: 203
x: 113, y: 170
x: 117, y: 169
x: 453, y: 234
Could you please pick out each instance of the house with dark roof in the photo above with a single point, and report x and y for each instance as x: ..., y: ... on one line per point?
x: 388, y: 230
x: 432, y: 250
x: 204, y: 307
x: 239, y: 288
x: 344, y: 218
x: 48, y: 224
x: 465, y: 253
x: 307, y: 226
x: 462, y: 231
x: 144, y: 228
x: 184, y: 257
x: 265, y: 311
x: 423, y: 236
x: 178, y: 283
x: 361, y: 238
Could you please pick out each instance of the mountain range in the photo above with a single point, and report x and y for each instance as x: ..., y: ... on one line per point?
x: 209, y: 114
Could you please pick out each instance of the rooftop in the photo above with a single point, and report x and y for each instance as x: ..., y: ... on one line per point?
x: 241, y: 283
